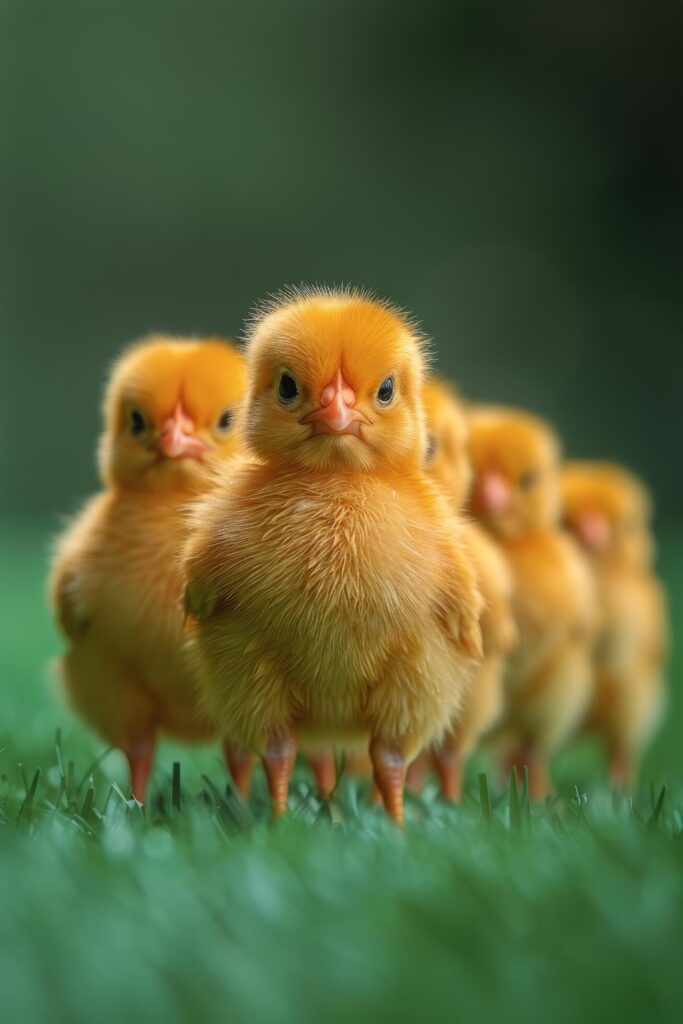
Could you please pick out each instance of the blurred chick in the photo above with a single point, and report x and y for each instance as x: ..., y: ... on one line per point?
x: 609, y: 511
x: 331, y: 589
x: 116, y: 586
x: 516, y: 495
x: 448, y: 463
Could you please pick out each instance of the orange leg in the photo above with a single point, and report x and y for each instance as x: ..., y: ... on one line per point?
x: 539, y: 784
x: 449, y: 768
x: 324, y: 772
x: 278, y: 761
x: 389, y: 771
x: 415, y: 775
x: 240, y: 763
x: 622, y: 770
x: 140, y: 754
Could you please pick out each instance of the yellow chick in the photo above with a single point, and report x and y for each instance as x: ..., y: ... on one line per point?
x: 116, y: 585
x: 516, y: 496
x: 448, y: 463
x: 331, y: 590
x: 609, y: 511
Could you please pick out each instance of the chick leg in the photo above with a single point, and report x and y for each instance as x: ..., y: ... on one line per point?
x: 140, y: 754
x: 415, y: 774
x: 449, y: 769
x: 240, y: 763
x: 324, y: 772
x: 622, y: 771
x: 389, y: 771
x: 535, y: 761
x: 278, y: 762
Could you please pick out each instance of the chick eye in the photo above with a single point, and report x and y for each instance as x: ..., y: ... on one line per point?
x: 137, y: 423
x: 224, y: 421
x: 528, y: 479
x: 287, y: 389
x: 385, y: 392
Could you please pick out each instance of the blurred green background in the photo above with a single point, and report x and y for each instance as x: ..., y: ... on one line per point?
x: 511, y: 173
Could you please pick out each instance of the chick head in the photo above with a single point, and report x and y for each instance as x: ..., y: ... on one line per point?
x: 169, y: 408
x: 516, y: 462
x: 609, y: 511
x: 334, y: 382
x: 447, y: 459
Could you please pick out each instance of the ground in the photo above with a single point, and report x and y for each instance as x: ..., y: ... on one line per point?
x: 200, y: 909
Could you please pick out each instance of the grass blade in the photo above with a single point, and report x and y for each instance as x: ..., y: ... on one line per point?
x: 513, y: 803
x: 484, y: 800
x: 175, y: 786
x: 654, y: 817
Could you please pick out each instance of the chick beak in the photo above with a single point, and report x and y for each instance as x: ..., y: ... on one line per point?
x: 593, y: 531
x: 177, y: 439
x: 492, y: 495
x: 336, y: 413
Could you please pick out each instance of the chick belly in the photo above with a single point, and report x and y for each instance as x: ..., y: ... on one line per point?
x: 134, y: 682
x: 482, y: 707
x: 343, y: 689
x: 545, y: 707
x: 627, y: 704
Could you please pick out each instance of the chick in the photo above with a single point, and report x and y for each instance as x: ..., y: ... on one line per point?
x: 609, y: 511
x: 116, y: 585
x: 330, y: 588
x: 516, y: 495
x: 448, y: 463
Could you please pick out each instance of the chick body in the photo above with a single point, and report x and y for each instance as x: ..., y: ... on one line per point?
x: 116, y: 584
x: 333, y: 596
x: 548, y: 678
x: 449, y: 466
x: 608, y: 510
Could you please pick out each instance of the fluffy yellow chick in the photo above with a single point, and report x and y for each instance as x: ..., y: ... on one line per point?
x: 331, y: 590
x: 609, y: 511
x: 448, y: 463
x: 116, y: 585
x: 516, y: 495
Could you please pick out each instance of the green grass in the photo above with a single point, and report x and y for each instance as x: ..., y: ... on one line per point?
x: 207, y: 911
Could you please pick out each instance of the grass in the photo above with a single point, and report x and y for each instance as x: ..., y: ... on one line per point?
x: 200, y: 909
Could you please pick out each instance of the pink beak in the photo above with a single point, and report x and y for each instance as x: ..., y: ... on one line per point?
x: 594, y: 531
x: 336, y: 413
x: 177, y: 440
x: 492, y: 493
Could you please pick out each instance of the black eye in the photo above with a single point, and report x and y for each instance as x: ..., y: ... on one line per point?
x: 528, y: 479
x: 385, y: 392
x: 137, y: 423
x: 287, y: 389
x: 224, y: 421
x: 431, y: 449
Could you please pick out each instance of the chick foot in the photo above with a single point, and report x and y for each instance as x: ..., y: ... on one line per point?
x: 389, y: 771
x: 240, y: 763
x: 278, y: 762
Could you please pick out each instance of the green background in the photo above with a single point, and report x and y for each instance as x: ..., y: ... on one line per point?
x: 513, y: 174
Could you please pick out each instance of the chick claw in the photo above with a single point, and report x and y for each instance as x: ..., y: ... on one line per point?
x: 278, y: 762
